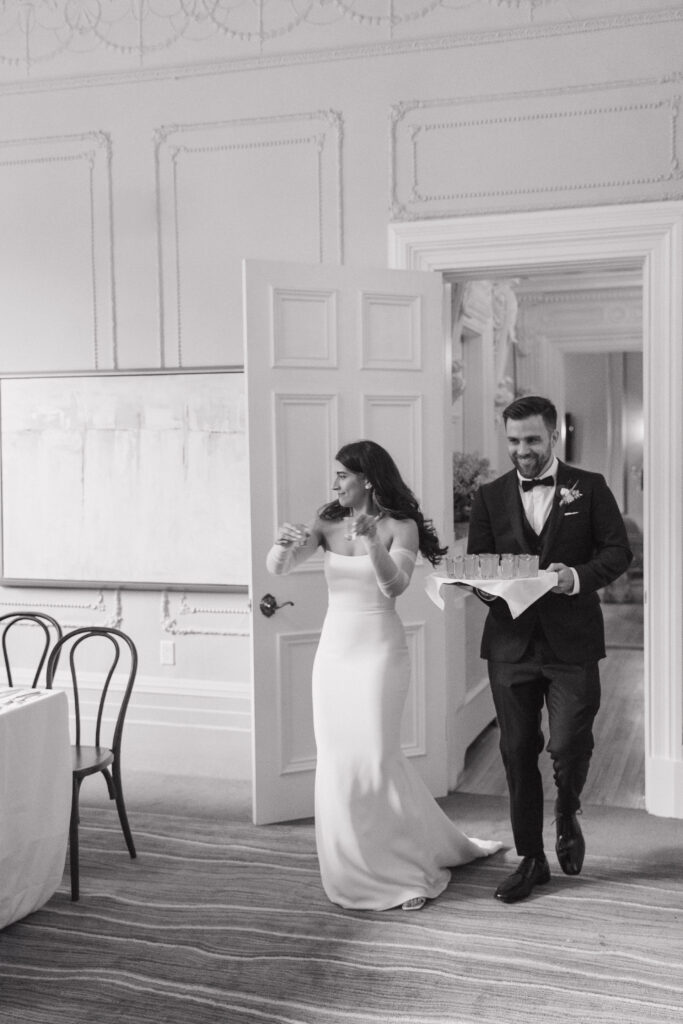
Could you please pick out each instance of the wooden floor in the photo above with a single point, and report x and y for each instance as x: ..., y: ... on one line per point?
x: 617, y: 773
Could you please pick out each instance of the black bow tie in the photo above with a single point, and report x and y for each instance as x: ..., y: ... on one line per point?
x: 546, y: 481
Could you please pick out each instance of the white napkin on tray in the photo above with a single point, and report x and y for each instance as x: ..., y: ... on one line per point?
x: 518, y: 594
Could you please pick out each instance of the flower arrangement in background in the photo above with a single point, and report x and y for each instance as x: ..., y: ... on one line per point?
x: 470, y: 471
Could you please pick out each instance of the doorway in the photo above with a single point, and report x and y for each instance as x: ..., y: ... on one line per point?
x: 576, y: 337
x: 648, y: 237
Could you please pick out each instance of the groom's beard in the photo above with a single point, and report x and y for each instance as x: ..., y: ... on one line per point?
x: 533, y: 466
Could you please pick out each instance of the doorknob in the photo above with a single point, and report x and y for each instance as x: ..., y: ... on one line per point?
x: 268, y: 605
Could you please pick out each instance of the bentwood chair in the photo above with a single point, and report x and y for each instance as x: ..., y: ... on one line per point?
x: 47, y: 626
x: 104, y: 647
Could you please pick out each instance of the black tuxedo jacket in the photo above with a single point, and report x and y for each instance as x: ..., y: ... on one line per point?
x: 587, y: 534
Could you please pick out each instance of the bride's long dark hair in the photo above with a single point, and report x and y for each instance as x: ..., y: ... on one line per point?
x: 390, y: 493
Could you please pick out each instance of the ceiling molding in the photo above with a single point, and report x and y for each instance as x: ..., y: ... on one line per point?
x: 21, y: 78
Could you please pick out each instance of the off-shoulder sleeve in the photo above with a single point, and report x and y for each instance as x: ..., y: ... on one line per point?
x: 281, y: 560
x: 395, y: 581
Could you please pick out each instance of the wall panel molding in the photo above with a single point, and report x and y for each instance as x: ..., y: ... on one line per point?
x: 294, y: 154
x: 591, y: 144
x: 82, y: 198
x: 190, y: 727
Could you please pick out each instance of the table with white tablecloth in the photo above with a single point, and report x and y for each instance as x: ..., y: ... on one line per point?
x: 35, y: 798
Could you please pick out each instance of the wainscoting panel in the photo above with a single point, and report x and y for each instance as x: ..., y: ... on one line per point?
x: 580, y: 145
x: 188, y: 727
x: 221, y: 196
x: 58, y: 296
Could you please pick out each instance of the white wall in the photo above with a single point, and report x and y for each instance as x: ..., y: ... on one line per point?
x: 587, y: 386
x: 132, y: 195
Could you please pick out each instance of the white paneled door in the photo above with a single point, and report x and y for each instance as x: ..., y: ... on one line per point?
x: 334, y: 354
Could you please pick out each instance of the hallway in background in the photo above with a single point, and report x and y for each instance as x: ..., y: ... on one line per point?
x: 617, y: 772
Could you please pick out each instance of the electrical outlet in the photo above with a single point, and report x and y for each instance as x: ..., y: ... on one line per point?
x: 167, y: 652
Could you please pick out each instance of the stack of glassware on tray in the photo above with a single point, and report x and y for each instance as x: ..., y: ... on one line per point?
x: 491, y: 567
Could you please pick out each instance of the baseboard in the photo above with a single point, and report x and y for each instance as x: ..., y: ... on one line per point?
x: 191, y: 727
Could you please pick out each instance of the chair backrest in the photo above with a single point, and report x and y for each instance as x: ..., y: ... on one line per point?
x: 44, y: 622
x: 75, y: 642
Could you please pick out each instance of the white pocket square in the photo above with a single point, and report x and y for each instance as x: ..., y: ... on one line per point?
x: 571, y: 513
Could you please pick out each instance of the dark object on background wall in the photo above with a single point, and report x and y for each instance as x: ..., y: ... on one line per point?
x: 569, y: 437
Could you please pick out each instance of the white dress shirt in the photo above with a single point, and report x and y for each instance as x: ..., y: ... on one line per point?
x: 537, y: 504
x: 539, y: 500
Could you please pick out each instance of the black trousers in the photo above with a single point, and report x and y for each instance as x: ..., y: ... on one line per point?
x: 572, y: 696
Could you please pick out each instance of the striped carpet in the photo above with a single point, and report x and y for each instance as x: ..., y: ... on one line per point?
x: 220, y: 922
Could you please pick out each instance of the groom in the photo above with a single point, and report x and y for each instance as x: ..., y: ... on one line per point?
x: 550, y: 653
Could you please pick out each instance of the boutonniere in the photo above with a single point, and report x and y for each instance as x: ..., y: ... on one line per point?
x: 569, y: 494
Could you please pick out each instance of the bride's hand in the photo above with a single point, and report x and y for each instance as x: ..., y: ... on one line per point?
x: 292, y: 534
x: 364, y: 526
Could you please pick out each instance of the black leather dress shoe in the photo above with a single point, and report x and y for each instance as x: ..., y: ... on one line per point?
x: 517, y: 886
x: 570, y: 846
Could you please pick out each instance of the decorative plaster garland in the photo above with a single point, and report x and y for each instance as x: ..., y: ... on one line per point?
x: 97, y: 604
x: 169, y: 622
x: 37, y: 33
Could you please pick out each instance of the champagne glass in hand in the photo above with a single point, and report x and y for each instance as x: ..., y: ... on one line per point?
x: 361, y: 525
x: 293, y: 535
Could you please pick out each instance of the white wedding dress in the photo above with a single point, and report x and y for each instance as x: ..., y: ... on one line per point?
x: 381, y: 837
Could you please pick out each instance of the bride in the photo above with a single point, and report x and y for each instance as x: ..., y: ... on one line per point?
x: 382, y: 839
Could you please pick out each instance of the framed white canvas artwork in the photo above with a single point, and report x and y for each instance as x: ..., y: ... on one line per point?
x: 127, y: 479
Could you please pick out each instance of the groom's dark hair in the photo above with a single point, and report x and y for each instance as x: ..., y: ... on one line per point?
x: 532, y: 405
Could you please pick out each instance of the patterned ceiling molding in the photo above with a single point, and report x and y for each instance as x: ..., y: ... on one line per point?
x: 180, y: 151
x: 613, y: 142
x: 94, y: 149
x: 47, y: 44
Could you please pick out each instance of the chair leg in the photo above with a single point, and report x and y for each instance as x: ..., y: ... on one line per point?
x: 110, y: 784
x: 121, y: 808
x: 73, y: 839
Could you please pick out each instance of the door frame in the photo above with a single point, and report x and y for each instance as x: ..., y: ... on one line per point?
x: 643, y: 234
